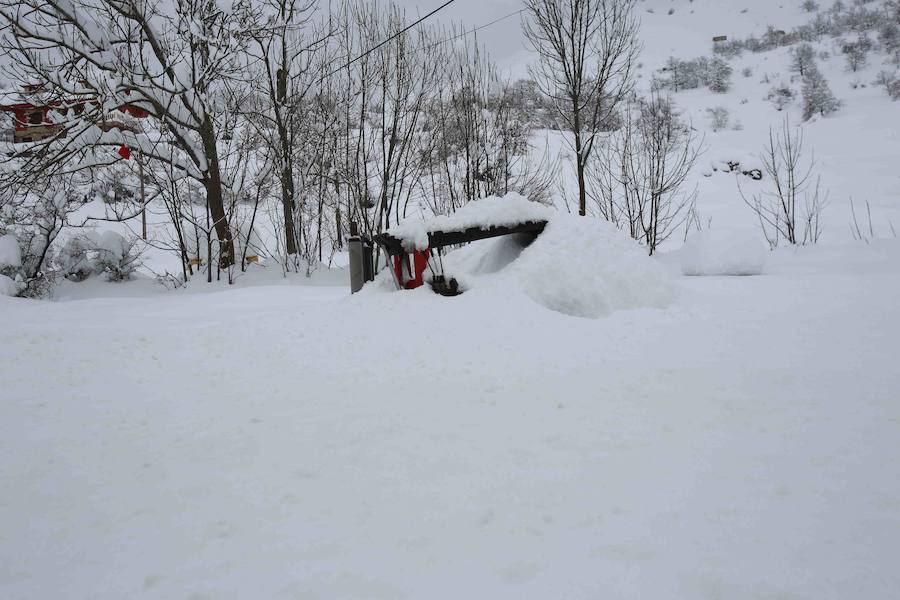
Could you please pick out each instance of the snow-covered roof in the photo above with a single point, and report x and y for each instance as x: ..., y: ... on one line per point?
x: 494, y: 211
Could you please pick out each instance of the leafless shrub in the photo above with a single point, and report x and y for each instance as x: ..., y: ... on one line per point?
x: 866, y: 233
x: 637, y: 181
x: 791, y: 208
x: 718, y: 118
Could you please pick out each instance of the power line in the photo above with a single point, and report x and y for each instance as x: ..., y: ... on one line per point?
x: 473, y: 30
x: 393, y: 37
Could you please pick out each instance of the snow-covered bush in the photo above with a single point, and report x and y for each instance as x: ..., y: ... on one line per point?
x: 718, y: 117
x: 728, y: 48
x: 856, y: 53
x: 115, y: 184
x: 714, y: 73
x: 836, y: 21
x: 94, y: 253
x: 803, y: 59
x: 10, y: 253
x: 893, y: 88
x: 714, y: 252
x: 718, y: 75
x: 10, y: 266
x: 889, y: 38
x: 36, y: 213
x: 781, y: 95
x: 118, y: 257
x: 860, y: 18
x: 817, y: 95
x: 8, y: 286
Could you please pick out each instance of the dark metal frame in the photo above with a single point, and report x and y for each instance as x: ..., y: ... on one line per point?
x: 439, y: 239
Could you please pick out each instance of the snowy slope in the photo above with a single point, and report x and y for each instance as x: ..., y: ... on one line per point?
x: 855, y: 150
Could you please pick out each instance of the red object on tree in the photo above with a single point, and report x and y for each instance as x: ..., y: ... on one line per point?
x: 124, y: 152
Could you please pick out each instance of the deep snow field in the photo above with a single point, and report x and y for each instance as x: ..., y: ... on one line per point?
x: 291, y: 441
x: 583, y: 422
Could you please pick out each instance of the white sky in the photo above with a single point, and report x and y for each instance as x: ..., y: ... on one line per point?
x: 503, y: 40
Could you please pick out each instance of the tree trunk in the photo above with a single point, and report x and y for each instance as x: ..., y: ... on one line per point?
x: 214, y: 197
x: 287, y: 204
x: 579, y: 166
x: 579, y: 159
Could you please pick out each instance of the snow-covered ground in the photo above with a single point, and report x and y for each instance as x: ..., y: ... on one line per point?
x: 296, y: 442
x: 701, y: 437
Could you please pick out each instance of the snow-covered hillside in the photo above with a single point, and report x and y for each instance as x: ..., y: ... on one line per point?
x: 855, y: 149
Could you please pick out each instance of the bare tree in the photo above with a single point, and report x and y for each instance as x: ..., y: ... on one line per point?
x: 170, y: 61
x: 480, y: 132
x: 386, y: 92
x: 285, y: 71
x: 638, y: 177
x: 791, y: 208
x: 587, y: 50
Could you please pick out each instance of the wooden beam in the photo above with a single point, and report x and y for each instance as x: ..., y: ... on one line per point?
x: 439, y: 239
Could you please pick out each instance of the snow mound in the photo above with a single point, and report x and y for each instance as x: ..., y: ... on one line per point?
x: 723, y: 253
x: 585, y: 267
x: 8, y: 287
x: 10, y: 253
x: 493, y: 211
x: 113, y: 243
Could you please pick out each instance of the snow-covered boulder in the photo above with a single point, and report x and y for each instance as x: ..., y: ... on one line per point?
x: 713, y: 252
x: 585, y: 267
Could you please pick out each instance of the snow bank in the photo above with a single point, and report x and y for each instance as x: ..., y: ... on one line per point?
x: 10, y: 253
x: 585, y: 267
x: 493, y: 211
x: 723, y: 253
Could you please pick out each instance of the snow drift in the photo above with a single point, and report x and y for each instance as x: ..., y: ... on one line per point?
x: 578, y: 266
x: 587, y: 268
x: 723, y: 253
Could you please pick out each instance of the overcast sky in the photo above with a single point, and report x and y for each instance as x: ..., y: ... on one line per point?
x: 503, y: 40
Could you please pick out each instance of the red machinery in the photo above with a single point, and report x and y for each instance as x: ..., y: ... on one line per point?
x: 411, y: 278
x: 409, y: 266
